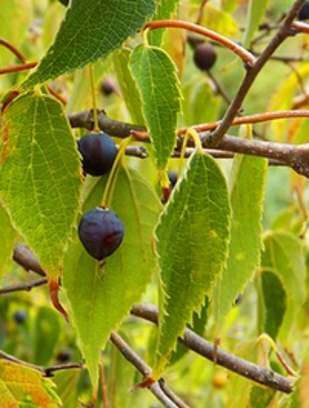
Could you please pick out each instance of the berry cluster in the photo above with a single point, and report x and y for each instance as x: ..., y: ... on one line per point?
x: 100, y: 230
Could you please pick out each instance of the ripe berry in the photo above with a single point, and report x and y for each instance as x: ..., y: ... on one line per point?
x: 108, y: 87
x: 64, y: 356
x: 172, y: 175
x: 98, y: 152
x: 204, y: 56
x: 304, y: 12
x: 20, y: 316
x: 101, y: 232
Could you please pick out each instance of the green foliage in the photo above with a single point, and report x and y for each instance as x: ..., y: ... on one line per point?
x: 128, y: 87
x: 192, y: 242
x: 100, y: 295
x: 95, y: 35
x: 158, y: 84
x: 284, y: 257
x: 256, y: 12
x: 40, y: 176
x: 7, y: 240
x: 247, y: 195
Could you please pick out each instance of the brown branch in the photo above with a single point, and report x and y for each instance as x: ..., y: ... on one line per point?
x: 300, y: 27
x: 252, y: 72
x: 241, y: 52
x: 13, y: 49
x: 252, y: 119
x: 295, y: 156
x: 233, y: 363
x: 17, y: 68
x: 23, y: 286
x: 145, y: 370
x: 25, y: 258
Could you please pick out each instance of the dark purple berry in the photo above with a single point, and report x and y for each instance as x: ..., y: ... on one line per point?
x: 204, y: 56
x: 304, y: 12
x: 108, y: 87
x: 20, y: 316
x: 172, y: 175
x: 101, y: 232
x: 98, y: 152
x: 64, y: 356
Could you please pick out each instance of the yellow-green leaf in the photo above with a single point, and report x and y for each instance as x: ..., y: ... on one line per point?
x: 247, y: 197
x: 158, y: 83
x: 90, y: 30
x: 40, y: 176
x: 20, y: 385
x: 192, y: 244
x: 101, y: 295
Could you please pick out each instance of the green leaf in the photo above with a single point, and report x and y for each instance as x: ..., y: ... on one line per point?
x: 7, y: 240
x: 91, y: 30
x: 256, y: 12
x: 274, y: 303
x: 40, y: 176
x: 67, y: 386
x: 128, y: 87
x: 100, y: 296
x: 284, y: 256
x: 22, y: 385
x: 261, y: 397
x: 247, y: 197
x: 47, y: 329
x: 157, y: 81
x: 192, y: 243
x: 164, y: 10
x: 220, y: 21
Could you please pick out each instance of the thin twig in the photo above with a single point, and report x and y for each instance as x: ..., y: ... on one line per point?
x: 300, y: 27
x: 17, y: 68
x: 13, y: 49
x: 241, y: 52
x: 206, y: 349
x: 23, y: 286
x: 143, y: 368
x: 252, y: 72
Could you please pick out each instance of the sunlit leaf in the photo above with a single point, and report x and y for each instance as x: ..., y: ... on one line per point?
x: 101, y: 295
x: 40, y: 176
x: 22, y: 385
x: 247, y: 197
x: 99, y: 27
x: 192, y: 243
x: 157, y: 81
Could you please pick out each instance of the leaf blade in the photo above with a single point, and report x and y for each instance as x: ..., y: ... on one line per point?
x: 95, y: 34
x: 157, y: 81
x: 100, y: 299
x: 201, y: 198
x: 40, y: 176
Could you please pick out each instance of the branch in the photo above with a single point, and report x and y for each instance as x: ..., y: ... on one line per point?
x: 295, y: 156
x: 165, y: 395
x: 210, y: 351
x: 252, y: 72
x: 17, y: 68
x: 23, y: 286
x: 300, y: 27
x: 241, y: 52
x: 13, y: 50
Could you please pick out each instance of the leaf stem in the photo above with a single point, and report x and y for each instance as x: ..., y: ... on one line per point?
x: 94, y: 99
x: 108, y: 192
